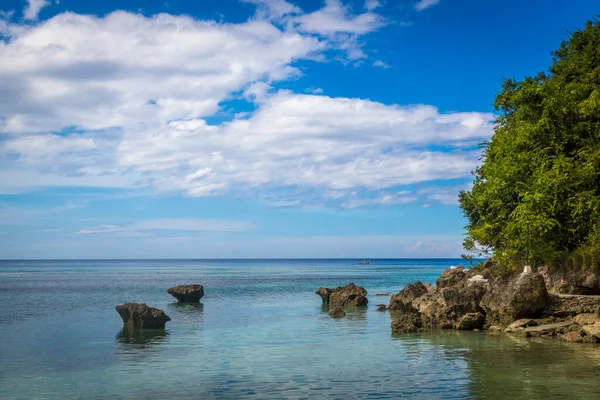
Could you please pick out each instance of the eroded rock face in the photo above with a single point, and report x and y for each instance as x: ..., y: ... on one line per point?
x: 337, y: 313
x: 471, y: 321
x: 572, y: 280
x: 509, y: 299
x: 344, y: 296
x: 324, y: 293
x: 141, y: 316
x: 406, y: 319
x: 452, y: 304
x: 187, y: 293
x: 451, y: 277
x: 568, y: 306
x: 409, y: 293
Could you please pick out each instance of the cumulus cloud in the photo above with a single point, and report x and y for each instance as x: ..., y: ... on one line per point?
x: 123, y: 101
x: 33, y: 8
x: 424, y: 4
x: 139, y: 71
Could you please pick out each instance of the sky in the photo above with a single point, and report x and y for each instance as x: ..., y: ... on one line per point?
x: 254, y: 128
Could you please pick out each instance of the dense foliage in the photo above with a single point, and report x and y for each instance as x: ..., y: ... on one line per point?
x: 536, y: 196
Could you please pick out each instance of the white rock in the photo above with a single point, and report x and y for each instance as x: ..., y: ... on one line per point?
x: 476, y: 279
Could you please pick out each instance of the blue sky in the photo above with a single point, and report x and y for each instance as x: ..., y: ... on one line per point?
x: 253, y: 128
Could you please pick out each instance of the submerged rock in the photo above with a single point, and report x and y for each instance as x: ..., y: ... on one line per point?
x: 382, y: 294
x: 382, y: 307
x: 141, y: 316
x: 344, y: 296
x: 337, y: 313
x: 187, y: 293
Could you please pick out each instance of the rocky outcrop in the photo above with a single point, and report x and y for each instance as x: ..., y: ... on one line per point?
x: 141, y: 316
x: 569, y: 305
x: 452, y: 298
x: 515, y: 303
x: 572, y: 280
x: 509, y: 299
x: 337, y: 313
x: 187, y: 293
x: 324, y: 293
x: 470, y: 321
x: 344, y: 296
x: 452, y: 304
x: 406, y: 319
x: 409, y: 293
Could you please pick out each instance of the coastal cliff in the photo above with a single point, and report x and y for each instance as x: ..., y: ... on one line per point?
x: 519, y: 303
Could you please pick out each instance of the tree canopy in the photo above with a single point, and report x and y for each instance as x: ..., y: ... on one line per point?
x: 536, y: 195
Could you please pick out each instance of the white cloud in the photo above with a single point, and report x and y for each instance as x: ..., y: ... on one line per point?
x: 308, y: 141
x: 383, y: 199
x: 33, y: 8
x: 138, y: 72
x: 370, y: 5
x: 341, y: 28
x: 273, y: 9
x: 336, y: 18
x: 174, y: 224
x: 447, y: 195
x: 139, y: 90
x: 424, y: 4
x: 380, y: 64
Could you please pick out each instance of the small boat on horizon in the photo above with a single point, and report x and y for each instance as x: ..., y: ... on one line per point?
x: 364, y: 262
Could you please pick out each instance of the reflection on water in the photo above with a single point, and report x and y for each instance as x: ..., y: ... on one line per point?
x: 261, y: 332
x: 142, y: 338
x: 504, y: 366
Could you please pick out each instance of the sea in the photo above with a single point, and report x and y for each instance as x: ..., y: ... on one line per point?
x: 259, y: 332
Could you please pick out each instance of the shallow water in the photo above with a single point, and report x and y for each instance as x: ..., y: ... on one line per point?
x: 260, y: 332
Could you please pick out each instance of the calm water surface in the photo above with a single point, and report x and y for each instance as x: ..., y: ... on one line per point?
x: 260, y: 332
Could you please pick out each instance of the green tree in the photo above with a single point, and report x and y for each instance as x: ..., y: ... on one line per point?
x: 536, y: 196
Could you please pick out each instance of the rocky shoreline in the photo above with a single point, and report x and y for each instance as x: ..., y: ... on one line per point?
x: 517, y: 304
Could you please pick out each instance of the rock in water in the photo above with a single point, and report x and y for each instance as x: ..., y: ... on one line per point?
x: 407, y: 295
x: 337, y: 313
x: 141, y: 316
x: 381, y: 307
x: 324, y: 293
x: 344, y: 296
x: 470, y: 321
x: 406, y: 319
x: 187, y: 293
x: 523, y: 296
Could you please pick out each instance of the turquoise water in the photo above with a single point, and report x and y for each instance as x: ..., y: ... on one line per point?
x: 260, y: 332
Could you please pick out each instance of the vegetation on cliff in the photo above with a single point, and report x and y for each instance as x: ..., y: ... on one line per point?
x: 536, y: 196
